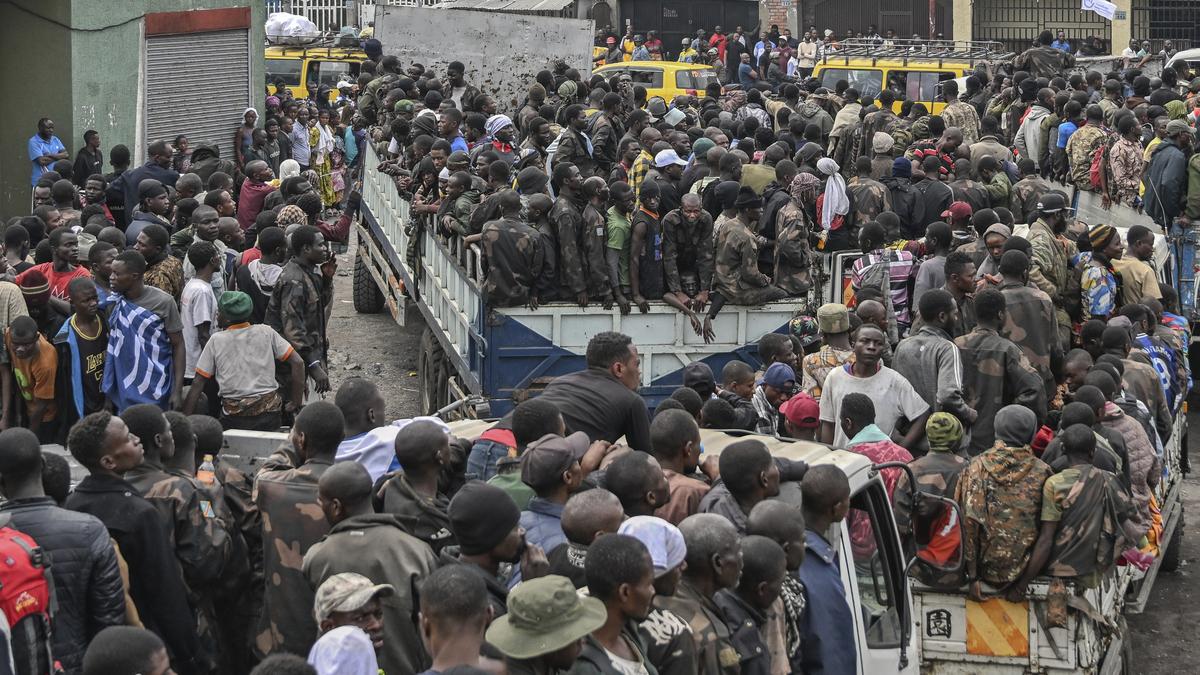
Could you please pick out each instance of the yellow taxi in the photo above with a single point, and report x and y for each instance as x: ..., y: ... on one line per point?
x: 667, y: 79
x: 913, y: 70
x: 304, y: 69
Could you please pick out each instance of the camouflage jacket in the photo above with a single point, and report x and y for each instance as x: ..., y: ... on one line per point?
x: 512, y: 261
x: 594, y: 239
x: 1080, y: 147
x: 1001, y: 495
x: 1051, y: 254
x: 1089, y: 536
x: 1025, y: 195
x: 965, y: 117
x: 971, y: 192
x: 687, y: 251
x: 606, y: 135
x: 1043, y: 61
x: 566, y: 221
x: 299, y: 309
x: 793, y: 257
x: 200, y: 540
x: 995, y: 374
x: 292, y: 523
x: 936, y: 474
x: 1031, y: 325
x: 715, y: 652
x: 736, y: 275
x: 868, y: 198
x: 576, y: 148
x: 459, y: 209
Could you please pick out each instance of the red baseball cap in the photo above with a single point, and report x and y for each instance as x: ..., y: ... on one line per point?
x: 802, y: 411
x: 957, y: 211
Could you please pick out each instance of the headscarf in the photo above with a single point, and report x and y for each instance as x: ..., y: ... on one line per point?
x: 496, y: 123
x: 288, y: 168
x: 1100, y: 236
x: 253, y: 110
x: 837, y: 203
x: 291, y: 215
x: 1176, y: 109
x: 804, y: 188
x: 944, y: 432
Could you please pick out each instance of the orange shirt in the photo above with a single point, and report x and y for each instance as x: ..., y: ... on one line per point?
x: 35, y: 376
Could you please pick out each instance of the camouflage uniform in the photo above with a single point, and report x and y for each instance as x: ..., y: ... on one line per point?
x: 200, y: 540
x: 887, y: 122
x: 841, y: 144
x: 869, y: 198
x: 1089, y: 505
x: 687, y: 251
x: 299, y: 309
x: 575, y: 148
x: 936, y: 474
x: 1026, y: 193
x: 1031, y: 326
x: 1001, y: 496
x: 459, y: 209
x: 1049, y: 270
x: 1043, y: 61
x: 965, y: 117
x: 715, y: 653
x: 736, y: 276
x: 606, y: 135
x: 292, y: 523
x: 1080, y: 147
x: 971, y: 192
x: 793, y: 257
x: 595, y: 245
x: 995, y: 374
x: 920, y: 128
x: 566, y: 223
x: 512, y: 262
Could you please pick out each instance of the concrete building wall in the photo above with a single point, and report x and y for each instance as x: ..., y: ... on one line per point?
x: 84, y: 78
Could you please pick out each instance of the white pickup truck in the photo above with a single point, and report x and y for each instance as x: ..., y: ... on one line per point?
x: 903, y: 627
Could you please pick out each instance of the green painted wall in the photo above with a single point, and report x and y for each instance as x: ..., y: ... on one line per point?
x: 83, y: 79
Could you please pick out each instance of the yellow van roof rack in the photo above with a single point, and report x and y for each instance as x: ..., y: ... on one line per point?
x: 907, y: 50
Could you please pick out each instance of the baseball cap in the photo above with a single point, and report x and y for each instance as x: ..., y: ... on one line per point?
x: 668, y: 157
x: 548, y: 457
x: 802, y: 411
x: 957, y: 211
x: 778, y: 376
x: 1051, y: 202
x: 698, y: 374
x: 833, y: 317
x: 662, y: 539
x: 544, y: 615
x: 347, y: 592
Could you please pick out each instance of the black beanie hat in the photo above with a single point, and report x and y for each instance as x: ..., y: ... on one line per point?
x: 481, y: 516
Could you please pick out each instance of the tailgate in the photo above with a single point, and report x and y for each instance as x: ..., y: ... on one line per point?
x: 960, y: 635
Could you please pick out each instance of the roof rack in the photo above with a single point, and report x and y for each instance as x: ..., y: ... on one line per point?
x: 906, y: 50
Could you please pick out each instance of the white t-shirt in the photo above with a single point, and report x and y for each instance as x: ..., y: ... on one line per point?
x: 345, y: 650
x: 893, y: 396
x: 197, y: 305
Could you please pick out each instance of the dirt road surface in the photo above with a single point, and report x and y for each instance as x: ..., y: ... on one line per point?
x: 374, y: 346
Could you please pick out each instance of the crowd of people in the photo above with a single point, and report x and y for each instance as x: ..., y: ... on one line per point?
x: 1033, y: 379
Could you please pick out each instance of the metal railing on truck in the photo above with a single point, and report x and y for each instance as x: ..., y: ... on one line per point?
x: 507, y: 354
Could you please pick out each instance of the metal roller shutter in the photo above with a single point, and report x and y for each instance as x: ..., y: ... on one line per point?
x: 197, y: 84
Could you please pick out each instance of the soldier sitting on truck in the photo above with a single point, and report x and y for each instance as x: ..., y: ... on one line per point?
x: 1087, y: 519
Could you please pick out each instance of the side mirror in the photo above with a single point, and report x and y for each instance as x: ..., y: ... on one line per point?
x: 937, y: 530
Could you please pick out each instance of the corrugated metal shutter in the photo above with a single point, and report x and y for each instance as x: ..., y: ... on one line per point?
x: 198, y: 85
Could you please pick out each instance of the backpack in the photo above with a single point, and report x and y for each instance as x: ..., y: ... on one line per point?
x: 26, y: 600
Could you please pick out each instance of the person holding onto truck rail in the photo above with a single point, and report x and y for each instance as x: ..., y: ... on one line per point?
x: 1001, y: 496
x: 512, y: 256
x: 1086, y: 520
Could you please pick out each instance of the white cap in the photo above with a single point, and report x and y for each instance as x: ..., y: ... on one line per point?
x: 666, y: 158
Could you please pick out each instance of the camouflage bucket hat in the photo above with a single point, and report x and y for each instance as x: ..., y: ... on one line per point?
x: 544, y: 615
x: 347, y: 592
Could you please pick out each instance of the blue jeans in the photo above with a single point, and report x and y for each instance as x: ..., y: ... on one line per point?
x: 481, y: 463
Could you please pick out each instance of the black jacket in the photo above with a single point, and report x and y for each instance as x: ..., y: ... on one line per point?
x: 155, y: 580
x: 83, y: 565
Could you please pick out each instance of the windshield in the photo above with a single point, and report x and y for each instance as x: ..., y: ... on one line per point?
x: 868, y: 82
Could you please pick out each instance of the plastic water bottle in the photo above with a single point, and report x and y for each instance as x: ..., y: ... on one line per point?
x: 207, y: 473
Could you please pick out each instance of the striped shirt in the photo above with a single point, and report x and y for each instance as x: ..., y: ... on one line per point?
x: 900, y: 269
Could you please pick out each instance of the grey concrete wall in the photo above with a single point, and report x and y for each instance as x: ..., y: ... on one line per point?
x: 501, y: 52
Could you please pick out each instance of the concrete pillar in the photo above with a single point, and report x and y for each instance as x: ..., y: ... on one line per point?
x: 1122, y: 30
x: 961, y: 15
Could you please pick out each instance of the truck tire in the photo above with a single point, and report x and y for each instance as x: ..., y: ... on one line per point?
x: 1170, y: 561
x: 433, y: 371
x: 368, y: 299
